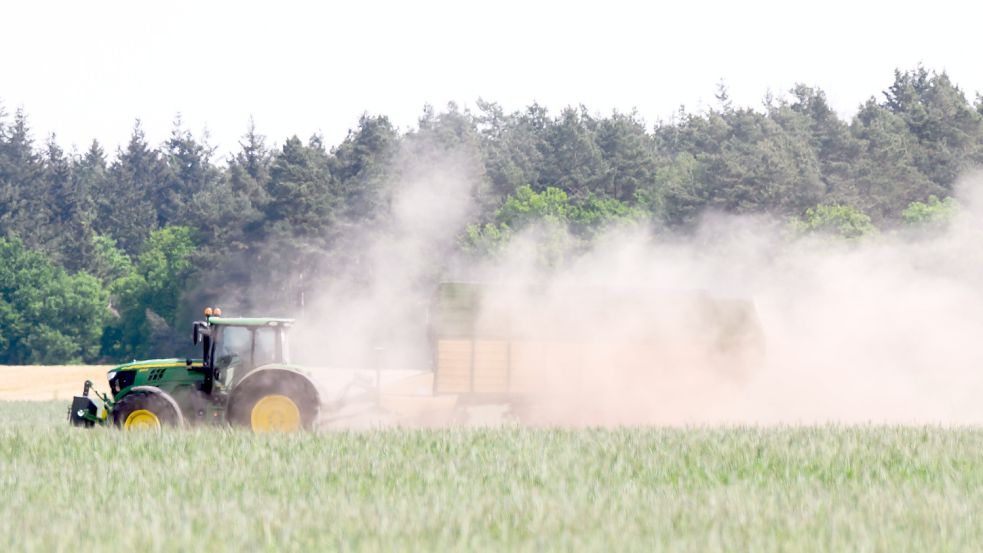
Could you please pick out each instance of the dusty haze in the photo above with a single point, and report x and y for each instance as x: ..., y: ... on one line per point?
x: 883, y: 330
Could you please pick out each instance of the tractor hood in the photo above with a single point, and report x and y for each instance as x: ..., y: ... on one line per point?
x: 154, y: 364
x: 149, y: 372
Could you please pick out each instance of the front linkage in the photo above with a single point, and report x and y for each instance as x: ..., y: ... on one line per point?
x: 89, y: 411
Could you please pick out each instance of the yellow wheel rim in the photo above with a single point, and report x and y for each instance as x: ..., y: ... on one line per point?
x: 141, y: 419
x: 275, y: 413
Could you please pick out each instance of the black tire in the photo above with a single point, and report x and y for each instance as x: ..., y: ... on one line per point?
x: 294, y: 387
x: 144, y: 401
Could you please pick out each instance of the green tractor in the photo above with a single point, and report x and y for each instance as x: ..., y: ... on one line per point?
x: 243, y: 378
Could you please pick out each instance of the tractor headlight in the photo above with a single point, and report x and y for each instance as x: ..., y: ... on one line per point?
x: 121, y: 379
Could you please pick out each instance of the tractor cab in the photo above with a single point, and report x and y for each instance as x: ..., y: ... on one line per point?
x: 244, y: 378
x: 233, y: 347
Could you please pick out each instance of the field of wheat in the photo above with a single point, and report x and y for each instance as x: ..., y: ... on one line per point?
x: 698, y: 489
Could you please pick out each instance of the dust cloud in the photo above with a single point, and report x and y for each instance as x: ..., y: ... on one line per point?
x: 373, y: 315
x: 629, y: 331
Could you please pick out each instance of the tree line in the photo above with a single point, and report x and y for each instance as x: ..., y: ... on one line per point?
x: 108, y: 257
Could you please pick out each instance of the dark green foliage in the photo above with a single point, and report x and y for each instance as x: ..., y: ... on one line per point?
x: 736, y: 161
x: 628, y: 153
x: 125, y: 201
x: 188, y: 174
x: 107, y: 262
x: 886, y: 176
x: 22, y: 185
x: 46, y: 315
x: 148, y: 297
x: 300, y: 190
x: 513, y: 146
x: 360, y: 166
x: 574, y: 162
x: 158, y: 231
x: 249, y: 168
x: 940, y: 118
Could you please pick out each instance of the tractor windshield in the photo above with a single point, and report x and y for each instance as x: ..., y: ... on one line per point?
x: 246, y: 347
x: 234, y: 346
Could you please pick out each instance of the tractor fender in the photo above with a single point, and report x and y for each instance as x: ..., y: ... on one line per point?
x: 163, y: 395
x: 277, y: 373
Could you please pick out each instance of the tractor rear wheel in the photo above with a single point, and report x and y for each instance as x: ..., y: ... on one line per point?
x: 144, y: 411
x: 275, y: 407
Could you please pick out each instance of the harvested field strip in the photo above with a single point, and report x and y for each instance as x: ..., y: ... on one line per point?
x: 49, y: 382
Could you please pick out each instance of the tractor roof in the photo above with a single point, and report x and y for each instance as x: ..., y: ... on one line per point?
x: 250, y: 321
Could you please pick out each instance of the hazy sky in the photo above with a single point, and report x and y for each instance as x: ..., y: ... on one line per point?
x: 87, y: 70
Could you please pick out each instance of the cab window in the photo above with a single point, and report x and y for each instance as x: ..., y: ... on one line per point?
x: 265, y: 352
x: 234, y: 347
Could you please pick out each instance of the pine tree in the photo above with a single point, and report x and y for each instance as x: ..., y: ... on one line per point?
x: 948, y: 130
x: 126, y: 207
x: 21, y: 179
x: 300, y: 190
x: 574, y: 162
x: 360, y: 167
x: 628, y: 156
x: 249, y: 168
x: 188, y: 171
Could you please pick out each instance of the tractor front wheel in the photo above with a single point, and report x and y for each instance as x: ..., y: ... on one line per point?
x: 144, y: 411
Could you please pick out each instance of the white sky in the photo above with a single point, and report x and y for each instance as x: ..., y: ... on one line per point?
x: 87, y: 70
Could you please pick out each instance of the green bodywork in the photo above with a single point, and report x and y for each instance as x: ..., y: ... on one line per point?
x: 232, y: 348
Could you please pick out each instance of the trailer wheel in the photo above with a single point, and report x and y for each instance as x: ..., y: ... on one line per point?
x: 266, y: 406
x: 144, y: 411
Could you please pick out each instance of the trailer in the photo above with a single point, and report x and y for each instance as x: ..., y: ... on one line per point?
x: 530, y: 348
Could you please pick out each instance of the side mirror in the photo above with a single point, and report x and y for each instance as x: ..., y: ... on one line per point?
x: 197, y: 331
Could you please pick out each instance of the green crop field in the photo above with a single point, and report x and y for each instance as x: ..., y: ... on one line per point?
x: 700, y: 490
